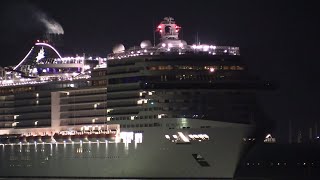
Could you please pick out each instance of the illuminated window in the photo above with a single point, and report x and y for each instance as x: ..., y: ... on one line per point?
x: 239, y: 68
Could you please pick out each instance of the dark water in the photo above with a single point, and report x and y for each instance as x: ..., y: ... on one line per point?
x: 281, y: 162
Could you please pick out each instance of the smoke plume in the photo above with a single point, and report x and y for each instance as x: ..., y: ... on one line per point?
x: 24, y: 17
x: 52, y: 26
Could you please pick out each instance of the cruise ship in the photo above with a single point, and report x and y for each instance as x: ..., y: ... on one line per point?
x: 169, y: 110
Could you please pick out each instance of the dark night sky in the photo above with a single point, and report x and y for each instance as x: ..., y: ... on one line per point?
x: 278, y: 40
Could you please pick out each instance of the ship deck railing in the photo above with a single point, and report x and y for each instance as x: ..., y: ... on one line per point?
x: 194, y: 49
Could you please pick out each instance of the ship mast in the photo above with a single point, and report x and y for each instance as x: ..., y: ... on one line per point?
x: 168, y: 29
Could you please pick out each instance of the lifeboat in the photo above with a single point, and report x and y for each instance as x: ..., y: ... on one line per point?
x: 67, y: 138
x: 110, y: 137
x: 23, y: 139
x: 46, y: 138
x: 76, y: 138
x: 104, y: 137
x: 4, y: 139
x: 62, y: 138
x: 84, y: 137
x: 30, y: 139
x: 92, y: 137
x: 58, y: 137
x: 14, y: 139
x: 101, y: 137
x: 38, y: 139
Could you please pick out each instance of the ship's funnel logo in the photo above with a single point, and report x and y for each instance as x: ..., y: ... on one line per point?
x: 40, y: 55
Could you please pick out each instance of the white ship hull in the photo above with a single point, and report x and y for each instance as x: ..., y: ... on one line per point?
x: 155, y: 157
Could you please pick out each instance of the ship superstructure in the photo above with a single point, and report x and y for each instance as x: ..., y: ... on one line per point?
x: 29, y: 89
x: 172, y: 110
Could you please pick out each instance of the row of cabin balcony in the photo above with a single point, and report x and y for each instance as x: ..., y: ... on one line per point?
x: 83, y: 93
x: 203, y: 78
x: 83, y: 121
x: 77, y: 113
x: 67, y: 95
x: 83, y: 100
x: 73, y: 116
x: 32, y: 111
x: 26, y: 123
x: 83, y: 107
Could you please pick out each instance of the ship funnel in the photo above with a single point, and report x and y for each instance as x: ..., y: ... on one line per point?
x: 55, y: 40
